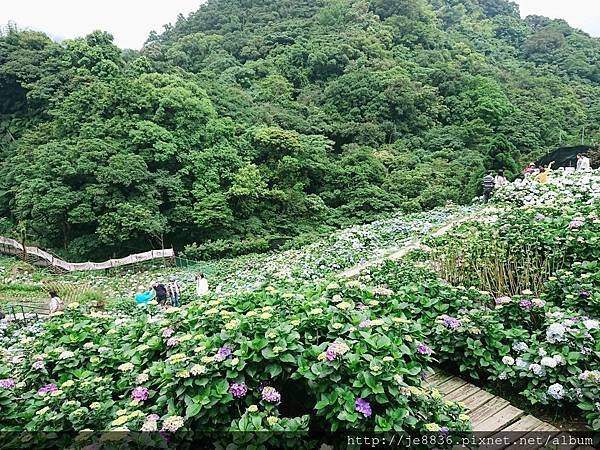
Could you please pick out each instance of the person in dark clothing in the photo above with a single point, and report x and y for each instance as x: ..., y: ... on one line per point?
x: 488, y: 186
x: 161, y: 292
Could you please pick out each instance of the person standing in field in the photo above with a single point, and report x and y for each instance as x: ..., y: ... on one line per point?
x: 201, y: 284
x: 488, y: 186
x: 56, y: 304
x: 529, y: 170
x: 583, y: 162
x: 174, y: 291
x: 161, y: 292
x: 500, y: 180
x: 544, y: 175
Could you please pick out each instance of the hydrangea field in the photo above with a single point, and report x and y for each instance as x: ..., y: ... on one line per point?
x: 508, y: 299
x: 310, y: 263
x: 320, y: 359
x: 524, y: 309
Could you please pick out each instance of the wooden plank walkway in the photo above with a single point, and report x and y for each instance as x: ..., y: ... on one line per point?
x: 492, y: 416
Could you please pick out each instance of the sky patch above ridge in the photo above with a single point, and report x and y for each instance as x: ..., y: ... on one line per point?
x: 130, y: 21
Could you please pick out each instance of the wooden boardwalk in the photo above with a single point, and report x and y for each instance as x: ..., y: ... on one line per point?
x: 493, y: 417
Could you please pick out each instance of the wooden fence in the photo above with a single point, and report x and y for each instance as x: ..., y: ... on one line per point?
x: 40, y: 257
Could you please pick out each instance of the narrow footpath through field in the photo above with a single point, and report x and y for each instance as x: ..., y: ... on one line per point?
x: 408, y: 246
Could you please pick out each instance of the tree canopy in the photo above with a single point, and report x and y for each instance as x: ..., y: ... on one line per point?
x: 252, y: 119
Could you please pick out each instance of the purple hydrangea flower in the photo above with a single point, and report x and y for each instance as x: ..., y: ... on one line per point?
x: 576, y: 223
x: 330, y: 353
x: 451, y: 323
x: 525, y: 304
x: 444, y: 430
x: 168, y: 332
x: 363, y: 407
x: 360, y: 306
x: 585, y: 294
x: 223, y: 353
x: 47, y: 388
x: 7, y: 383
x: 502, y: 300
x: 424, y: 349
x: 38, y: 365
x: 165, y: 435
x: 140, y: 394
x: 270, y: 394
x: 238, y: 390
x: 364, y: 324
x: 152, y: 417
x: 173, y: 342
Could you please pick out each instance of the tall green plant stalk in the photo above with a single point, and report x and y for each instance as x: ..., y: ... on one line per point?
x: 495, y: 265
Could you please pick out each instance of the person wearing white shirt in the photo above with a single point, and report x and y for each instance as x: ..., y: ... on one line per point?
x: 201, y: 285
x: 583, y: 162
x: 56, y: 304
x: 500, y: 180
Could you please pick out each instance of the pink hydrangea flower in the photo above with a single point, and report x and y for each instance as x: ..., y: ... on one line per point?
x: 238, y: 390
x: 270, y: 394
x: 576, y: 223
x: 140, y: 394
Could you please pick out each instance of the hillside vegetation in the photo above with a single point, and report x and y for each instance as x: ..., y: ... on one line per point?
x: 259, y: 119
x: 321, y: 356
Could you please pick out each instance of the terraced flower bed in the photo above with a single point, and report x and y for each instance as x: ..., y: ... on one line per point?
x: 509, y: 298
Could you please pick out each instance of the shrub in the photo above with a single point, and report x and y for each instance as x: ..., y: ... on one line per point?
x: 222, y: 248
x: 311, y: 359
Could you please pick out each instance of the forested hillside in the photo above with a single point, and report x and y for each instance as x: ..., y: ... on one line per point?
x: 253, y: 119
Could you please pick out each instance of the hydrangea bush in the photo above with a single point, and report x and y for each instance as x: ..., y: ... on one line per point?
x: 306, y: 358
x: 530, y: 318
x: 544, y: 350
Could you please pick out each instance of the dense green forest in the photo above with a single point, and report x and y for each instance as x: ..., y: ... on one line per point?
x: 255, y: 119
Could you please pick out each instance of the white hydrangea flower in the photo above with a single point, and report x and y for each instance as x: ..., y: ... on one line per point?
x: 508, y: 360
x: 536, y: 369
x: 591, y: 324
x: 555, y: 333
x: 548, y: 362
x: 520, y: 347
x: 556, y: 391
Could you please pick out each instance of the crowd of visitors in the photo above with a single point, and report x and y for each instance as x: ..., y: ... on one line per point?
x: 168, y: 294
x: 165, y: 294
x: 539, y: 174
